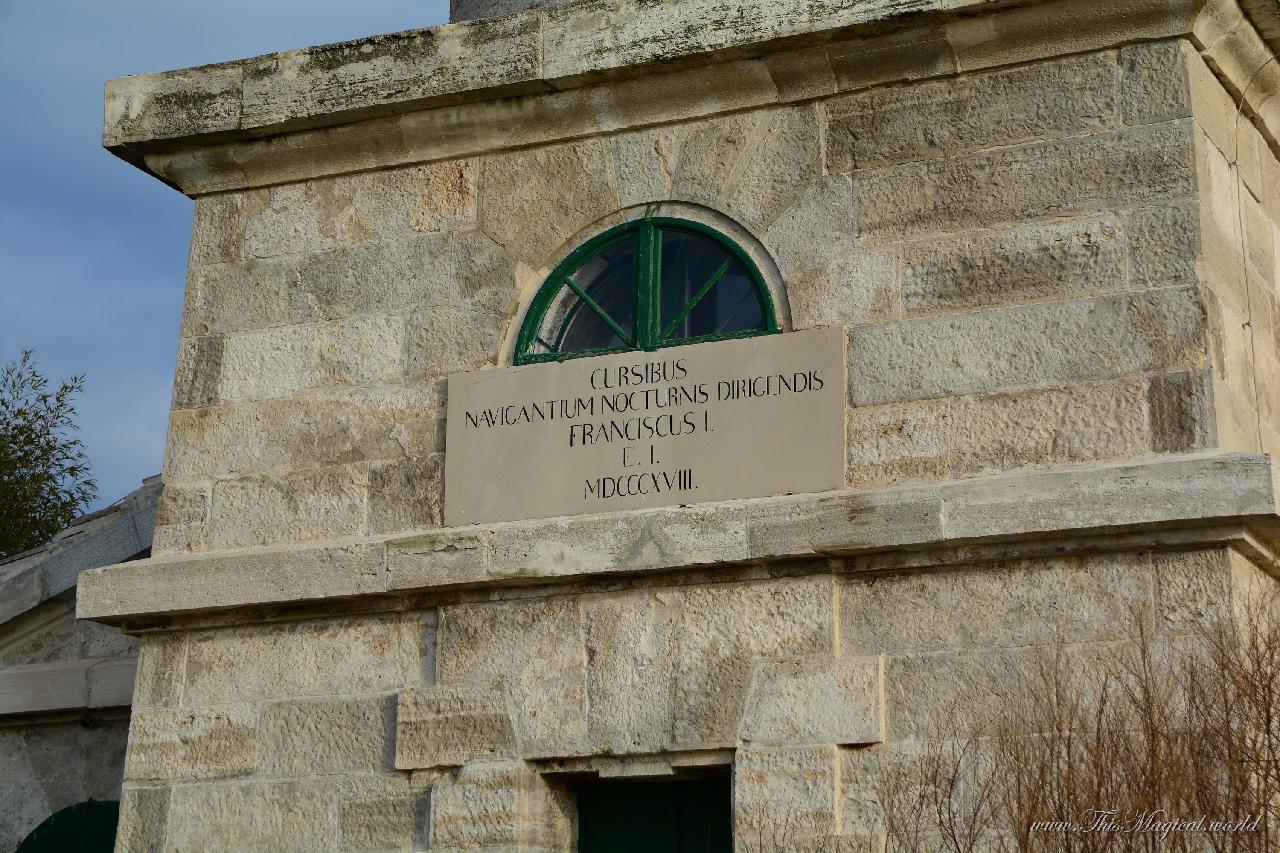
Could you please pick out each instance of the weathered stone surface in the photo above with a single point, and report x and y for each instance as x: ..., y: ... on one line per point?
x: 319, y: 503
x: 860, y: 285
x: 1060, y: 97
x: 406, y: 495
x: 1028, y: 347
x: 341, y: 656
x: 169, y: 744
x: 534, y: 201
x: 466, y: 10
x: 994, y: 606
x: 631, y: 642
x: 1024, y: 263
x: 845, y: 523
x: 172, y: 104
x: 646, y: 162
x: 814, y: 700
x: 417, y: 64
x: 338, y: 736
x: 440, y: 341
x: 365, y: 350
x: 478, y: 807
x: 162, y: 661
x: 297, y: 815
x: 802, y: 240
x: 911, y: 53
x: 183, y: 511
x: 1163, y: 245
x: 383, y: 813
x: 752, y: 165
x: 724, y: 630
x: 1180, y: 410
x: 968, y: 436
x: 451, y: 725
x: 784, y: 796
x: 1150, y: 163
x: 199, y: 371
x: 331, y: 427
x: 535, y: 649
x: 1192, y: 589
x: 144, y: 818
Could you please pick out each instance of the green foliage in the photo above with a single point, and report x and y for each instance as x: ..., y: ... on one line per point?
x: 44, y: 473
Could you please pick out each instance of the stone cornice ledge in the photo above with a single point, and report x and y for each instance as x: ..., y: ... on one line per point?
x: 1181, y: 491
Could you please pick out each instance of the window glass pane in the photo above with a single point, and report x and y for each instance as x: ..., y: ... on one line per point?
x: 705, y: 290
x: 573, y: 325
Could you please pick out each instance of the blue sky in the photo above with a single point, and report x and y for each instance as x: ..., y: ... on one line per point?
x: 92, y: 251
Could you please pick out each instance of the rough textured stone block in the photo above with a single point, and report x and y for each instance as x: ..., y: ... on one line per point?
x: 342, y: 656
x: 1024, y: 263
x: 297, y: 815
x: 364, y: 75
x: 724, y: 630
x: 814, y: 700
x: 406, y: 495
x: 1035, y: 346
x: 440, y: 341
x: 320, y: 503
x: 784, y: 796
x: 172, y: 104
x: 383, y: 813
x: 535, y: 200
x: 144, y: 818
x: 1150, y: 163
x: 1192, y: 589
x: 325, y: 736
x: 535, y: 649
x: 1164, y: 244
x: 182, y: 515
x: 364, y: 350
x: 333, y: 427
x: 631, y: 641
x: 994, y: 605
x: 452, y: 725
x: 199, y: 372
x: 844, y: 523
x: 182, y: 744
x: 162, y: 661
x: 646, y: 162
x: 910, y: 53
x: 1061, y: 97
x: 753, y: 165
x: 478, y: 807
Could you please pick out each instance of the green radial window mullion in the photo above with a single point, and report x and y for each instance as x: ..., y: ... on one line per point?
x: 693, y: 303
x: 648, y: 286
x: 600, y: 312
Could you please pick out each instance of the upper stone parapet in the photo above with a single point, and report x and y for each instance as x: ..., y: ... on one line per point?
x: 469, y: 10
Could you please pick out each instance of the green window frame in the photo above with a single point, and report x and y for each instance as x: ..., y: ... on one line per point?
x: 646, y: 329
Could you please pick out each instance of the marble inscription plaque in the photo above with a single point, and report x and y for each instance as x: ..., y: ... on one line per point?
x: 705, y: 422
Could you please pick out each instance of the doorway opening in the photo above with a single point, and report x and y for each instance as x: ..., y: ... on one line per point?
x: 656, y: 816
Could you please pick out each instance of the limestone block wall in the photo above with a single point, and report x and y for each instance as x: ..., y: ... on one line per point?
x: 1033, y: 262
x: 464, y: 723
x: 54, y: 751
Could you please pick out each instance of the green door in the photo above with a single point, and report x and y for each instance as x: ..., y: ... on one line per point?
x: 688, y: 816
x: 88, y: 827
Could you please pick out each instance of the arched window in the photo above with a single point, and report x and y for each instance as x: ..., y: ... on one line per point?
x: 88, y: 827
x: 645, y: 285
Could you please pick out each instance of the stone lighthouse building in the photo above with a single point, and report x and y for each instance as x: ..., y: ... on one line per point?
x: 628, y: 422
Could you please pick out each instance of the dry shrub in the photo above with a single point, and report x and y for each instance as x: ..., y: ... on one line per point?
x: 1177, y: 730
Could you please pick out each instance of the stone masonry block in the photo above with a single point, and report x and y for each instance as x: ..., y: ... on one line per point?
x: 1055, y: 178
x: 533, y: 647
x: 280, y: 362
x: 994, y: 606
x: 162, y: 662
x: 896, y: 124
x: 383, y: 813
x: 299, y: 815
x: 320, y: 503
x: 478, y: 807
x: 144, y: 818
x: 333, y: 427
x: 724, y: 631
x: 1028, y: 347
x: 406, y: 494
x: 440, y: 341
x: 452, y: 725
x: 631, y: 640
x: 533, y: 201
x: 646, y: 161
x: 814, y: 700
x: 785, y: 796
x: 173, y: 104
x: 308, y: 737
x: 185, y: 744
x: 1192, y: 590
x: 753, y: 165
x: 1023, y: 263
x: 325, y: 658
x: 1164, y: 245
x: 217, y: 232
